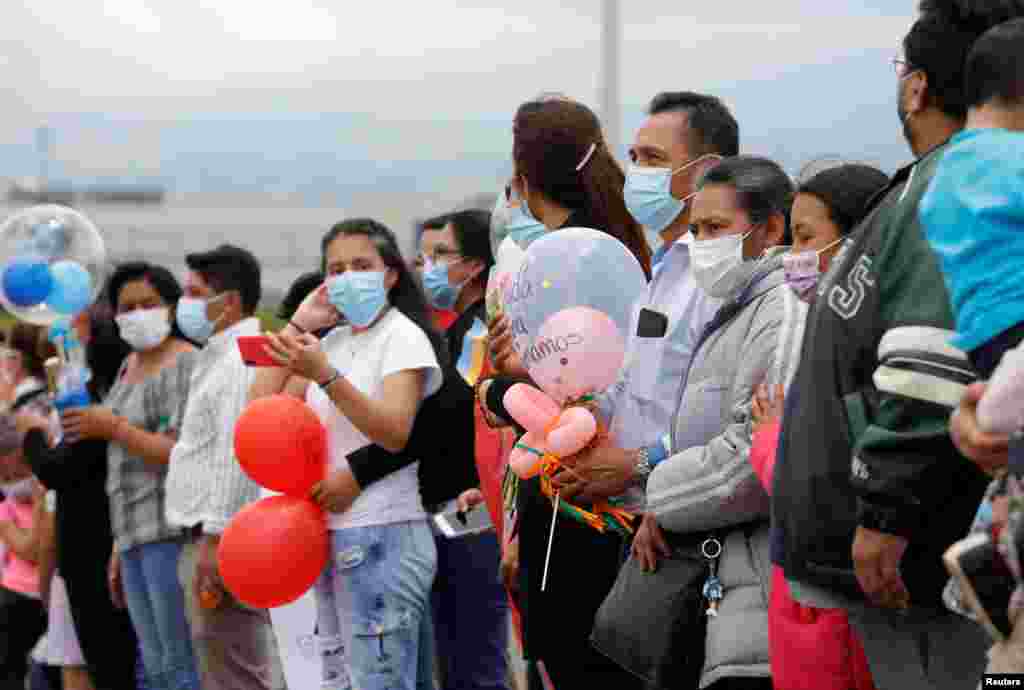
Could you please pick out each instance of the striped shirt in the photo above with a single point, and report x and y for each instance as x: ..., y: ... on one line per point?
x: 135, y: 487
x: 205, y: 484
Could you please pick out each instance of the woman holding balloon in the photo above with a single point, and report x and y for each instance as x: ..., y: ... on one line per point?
x: 138, y: 418
x: 53, y: 262
x: 77, y: 473
x: 565, y: 177
x: 705, y: 535
x: 365, y: 381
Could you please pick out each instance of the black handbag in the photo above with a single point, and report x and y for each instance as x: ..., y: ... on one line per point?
x: 654, y: 624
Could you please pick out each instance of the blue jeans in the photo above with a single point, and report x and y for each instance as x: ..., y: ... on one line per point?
x: 371, y: 599
x: 428, y: 650
x: 157, y: 608
x: 470, y: 612
x: 140, y: 673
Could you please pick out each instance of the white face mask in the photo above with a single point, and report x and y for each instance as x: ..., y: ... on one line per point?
x: 19, y: 489
x: 144, y: 329
x: 718, y: 265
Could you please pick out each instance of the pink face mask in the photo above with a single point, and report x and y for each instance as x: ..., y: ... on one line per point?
x: 802, y: 271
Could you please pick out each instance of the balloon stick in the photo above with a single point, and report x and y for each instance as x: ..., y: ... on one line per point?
x: 551, y: 540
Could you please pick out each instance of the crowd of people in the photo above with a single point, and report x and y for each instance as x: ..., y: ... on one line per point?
x: 798, y: 406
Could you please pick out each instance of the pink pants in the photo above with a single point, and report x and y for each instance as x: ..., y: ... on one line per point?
x: 811, y: 648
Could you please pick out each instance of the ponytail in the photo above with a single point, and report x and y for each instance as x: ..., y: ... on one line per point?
x: 558, y: 146
x: 603, y: 180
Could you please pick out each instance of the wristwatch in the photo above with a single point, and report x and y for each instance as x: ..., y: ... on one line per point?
x: 642, y: 468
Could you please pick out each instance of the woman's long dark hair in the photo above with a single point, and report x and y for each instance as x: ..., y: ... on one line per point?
x: 846, y: 190
x: 552, y: 137
x: 105, y: 352
x: 406, y: 295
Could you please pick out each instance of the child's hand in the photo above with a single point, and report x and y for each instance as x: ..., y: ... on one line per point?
x: 766, y: 409
x: 990, y: 452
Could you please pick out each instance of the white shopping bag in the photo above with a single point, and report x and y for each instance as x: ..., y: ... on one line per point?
x: 294, y: 628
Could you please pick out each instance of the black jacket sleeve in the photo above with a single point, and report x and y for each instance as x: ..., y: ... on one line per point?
x: 63, y: 466
x: 496, y: 396
x: 372, y: 463
x: 442, y: 440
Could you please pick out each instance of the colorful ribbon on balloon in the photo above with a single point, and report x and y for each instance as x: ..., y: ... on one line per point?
x: 603, y: 516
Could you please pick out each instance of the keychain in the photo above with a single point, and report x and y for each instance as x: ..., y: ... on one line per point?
x: 712, y: 549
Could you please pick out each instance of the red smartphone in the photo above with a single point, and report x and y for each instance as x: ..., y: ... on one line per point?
x: 254, y: 354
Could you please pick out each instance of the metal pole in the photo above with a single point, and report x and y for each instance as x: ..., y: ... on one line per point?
x: 610, y: 105
x: 44, y: 139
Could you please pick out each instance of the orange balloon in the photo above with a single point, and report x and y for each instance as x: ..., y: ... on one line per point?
x: 273, y: 551
x: 209, y: 599
x: 282, y: 445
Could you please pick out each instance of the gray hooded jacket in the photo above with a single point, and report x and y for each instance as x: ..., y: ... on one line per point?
x: 708, y: 482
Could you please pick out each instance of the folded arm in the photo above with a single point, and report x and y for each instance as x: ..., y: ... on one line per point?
x: 713, y: 485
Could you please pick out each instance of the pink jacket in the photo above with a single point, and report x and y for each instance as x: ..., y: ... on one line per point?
x: 762, y: 452
x: 18, y: 574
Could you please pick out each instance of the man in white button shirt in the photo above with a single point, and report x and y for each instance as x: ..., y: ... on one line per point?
x: 685, y: 135
x: 206, y: 487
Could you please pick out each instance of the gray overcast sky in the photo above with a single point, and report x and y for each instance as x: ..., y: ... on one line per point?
x: 416, y: 62
x: 438, y: 59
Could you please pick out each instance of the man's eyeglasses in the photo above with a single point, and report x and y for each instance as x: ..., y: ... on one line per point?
x: 441, y: 255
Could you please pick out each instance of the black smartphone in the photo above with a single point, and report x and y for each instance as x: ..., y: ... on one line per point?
x: 986, y: 584
x: 651, y: 324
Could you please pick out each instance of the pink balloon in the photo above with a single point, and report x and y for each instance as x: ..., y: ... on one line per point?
x: 576, y: 426
x: 531, y: 408
x: 578, y: 351
x: 525, y: 463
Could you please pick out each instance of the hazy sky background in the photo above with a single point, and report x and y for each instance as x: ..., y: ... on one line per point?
x: 311, y: 95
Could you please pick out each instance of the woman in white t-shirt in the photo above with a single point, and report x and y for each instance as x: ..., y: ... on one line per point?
x: 366, y: 380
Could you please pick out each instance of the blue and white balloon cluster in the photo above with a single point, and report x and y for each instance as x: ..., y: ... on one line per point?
x: 52, y: 264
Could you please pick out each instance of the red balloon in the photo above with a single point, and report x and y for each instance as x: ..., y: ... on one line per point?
x: 273, y: 551
x: 443, y: 318
x: 282, y: 445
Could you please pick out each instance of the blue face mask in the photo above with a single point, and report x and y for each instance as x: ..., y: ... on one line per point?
x: 440, y: 292
x: 648, y: 194
x: 516, y: 222
x: 192, y: 319
x: 359, y: 295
